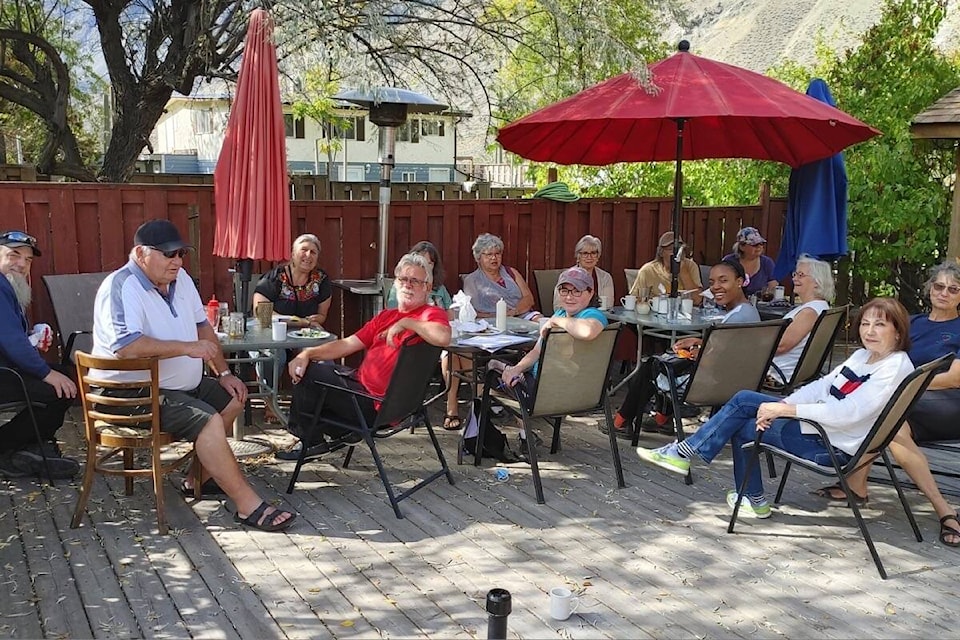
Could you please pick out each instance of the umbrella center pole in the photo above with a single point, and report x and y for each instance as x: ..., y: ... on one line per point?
x: 387, y: 142
x: 677, y: 205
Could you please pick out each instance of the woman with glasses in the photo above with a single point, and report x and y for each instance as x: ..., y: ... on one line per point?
x: 813, y: 286
x: 587, y: 254
x: 492, y: 281
x: 748, y: 249
x: 299, y: 289
x: 936, y: 414
x: 656, y: 273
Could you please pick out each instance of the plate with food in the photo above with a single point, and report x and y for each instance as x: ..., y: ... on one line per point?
x: 308, y: 333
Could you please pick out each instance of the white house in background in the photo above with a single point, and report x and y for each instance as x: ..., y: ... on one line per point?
x: 188, y: 137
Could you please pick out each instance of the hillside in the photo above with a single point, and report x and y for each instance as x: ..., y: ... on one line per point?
x: 758, y: 34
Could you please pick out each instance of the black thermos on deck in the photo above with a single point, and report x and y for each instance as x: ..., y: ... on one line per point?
x: 498, y: 608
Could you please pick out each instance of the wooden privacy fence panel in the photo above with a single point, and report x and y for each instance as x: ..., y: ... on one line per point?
x: 85, y: 228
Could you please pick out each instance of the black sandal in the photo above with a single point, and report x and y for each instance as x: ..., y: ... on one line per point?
x: 452, y: 422
x: 949, y: 531
x: 830, y: 493
x: 268, y: 519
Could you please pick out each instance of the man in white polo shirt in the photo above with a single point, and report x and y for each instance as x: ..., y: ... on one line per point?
x: 151, y: 308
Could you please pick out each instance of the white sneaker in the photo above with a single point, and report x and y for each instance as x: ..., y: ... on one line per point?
x: 748, y: 507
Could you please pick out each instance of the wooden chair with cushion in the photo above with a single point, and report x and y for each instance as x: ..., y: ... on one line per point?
x: 135, y: 428
x: 72, y: 297
x: 573, y: 377
x: 875, y: 444
x: 546, y: 283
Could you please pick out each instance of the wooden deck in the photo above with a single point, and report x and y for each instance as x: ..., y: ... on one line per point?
x: 650, y: 560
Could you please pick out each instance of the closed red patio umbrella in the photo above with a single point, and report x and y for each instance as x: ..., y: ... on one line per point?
x: 696, y: 109
x: 250, y: 181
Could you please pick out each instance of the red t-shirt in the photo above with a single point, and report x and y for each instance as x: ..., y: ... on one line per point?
x: 381, y: 358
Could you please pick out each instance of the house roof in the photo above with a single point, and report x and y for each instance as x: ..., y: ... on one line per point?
x: 939, y: 120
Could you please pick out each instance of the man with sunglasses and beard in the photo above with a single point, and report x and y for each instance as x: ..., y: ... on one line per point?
x: 49, y: 387
x: 151, y: 308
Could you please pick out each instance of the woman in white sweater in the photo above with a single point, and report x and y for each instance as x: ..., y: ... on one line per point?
x: 846, y: 402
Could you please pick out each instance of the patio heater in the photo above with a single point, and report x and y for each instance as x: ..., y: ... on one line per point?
x: 388, y: 108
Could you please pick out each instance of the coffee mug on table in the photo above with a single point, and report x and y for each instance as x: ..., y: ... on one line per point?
x: 264, y: 314
x: 778, y: 293
x: 629, y: 302
x: 605, y: 302
x: 279, y: 330
x: 562, y: 603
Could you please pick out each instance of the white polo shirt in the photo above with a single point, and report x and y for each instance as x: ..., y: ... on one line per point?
x: 128, y: 306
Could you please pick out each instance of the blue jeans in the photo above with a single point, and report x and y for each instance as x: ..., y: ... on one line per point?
x: 736, y: 423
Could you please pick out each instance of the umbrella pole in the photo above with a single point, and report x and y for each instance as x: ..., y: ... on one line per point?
x: 245, y: 270
x: 387, y: 141
x: 677, y: 203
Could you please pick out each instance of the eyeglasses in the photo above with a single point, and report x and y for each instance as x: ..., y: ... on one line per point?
x: 800, y: 274
x: 174, y: 253
x: 492, y: 254
x: 565, y: 291
x: 19, y: 236
x: 939, y: 287
x: 590, y: 254
x: 412, y: 282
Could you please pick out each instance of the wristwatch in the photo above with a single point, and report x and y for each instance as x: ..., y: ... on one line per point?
x: 225, y: 373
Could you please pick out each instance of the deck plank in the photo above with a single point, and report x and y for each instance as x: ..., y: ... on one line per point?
x: 650, y: 560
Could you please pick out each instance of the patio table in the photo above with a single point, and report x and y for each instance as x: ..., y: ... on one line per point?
x: 465, y: 346
x: 658, y: 325
x: 236, y: 351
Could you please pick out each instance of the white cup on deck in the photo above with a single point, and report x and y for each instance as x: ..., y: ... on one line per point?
x: 562, y: 603
x: 778, y: 293
x: 605, y: 302
x: 629, y: 302
x: 279, y: 329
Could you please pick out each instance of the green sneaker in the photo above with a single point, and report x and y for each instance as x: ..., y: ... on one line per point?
x: 749, y: 507
x: 666, y: 457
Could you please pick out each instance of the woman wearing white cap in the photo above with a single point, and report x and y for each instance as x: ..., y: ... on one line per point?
x: 656, y: 273
x: 748, y: 249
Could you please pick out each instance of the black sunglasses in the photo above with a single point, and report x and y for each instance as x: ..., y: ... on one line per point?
x: 173, y: 253
x: 19, y: 236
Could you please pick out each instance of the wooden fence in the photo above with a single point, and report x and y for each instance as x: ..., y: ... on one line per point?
x: 89, y: 227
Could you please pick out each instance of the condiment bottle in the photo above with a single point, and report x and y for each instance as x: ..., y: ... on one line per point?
x: 213, y: 311
x: 501, y: 315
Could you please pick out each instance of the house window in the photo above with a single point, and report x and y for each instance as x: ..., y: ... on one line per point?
x: 409, y: 131
x: 408, y: 176
x: 293, y: 126
x: 354, y: 129
x: 202, y: 121
x: 431, y: 128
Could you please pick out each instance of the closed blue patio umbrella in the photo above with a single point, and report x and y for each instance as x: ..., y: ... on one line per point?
x: 816, y: 221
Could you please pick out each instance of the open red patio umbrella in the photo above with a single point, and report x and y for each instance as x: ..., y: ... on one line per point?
x: 696, y: 109
x: 250, y: 181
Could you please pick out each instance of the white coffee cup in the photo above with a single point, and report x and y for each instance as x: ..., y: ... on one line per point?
x: 629, y: 302
x: 778, y: 293
x: 686, y: 306
x: 562, y: 603
x: 279, y: 330
x: 605, y: 302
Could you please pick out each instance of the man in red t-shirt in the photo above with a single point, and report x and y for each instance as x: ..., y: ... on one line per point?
x: 381, y: 338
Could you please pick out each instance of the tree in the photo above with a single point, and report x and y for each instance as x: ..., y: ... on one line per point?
x: 150, y: 48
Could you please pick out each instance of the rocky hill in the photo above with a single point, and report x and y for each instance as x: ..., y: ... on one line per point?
x: 757, y: 34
